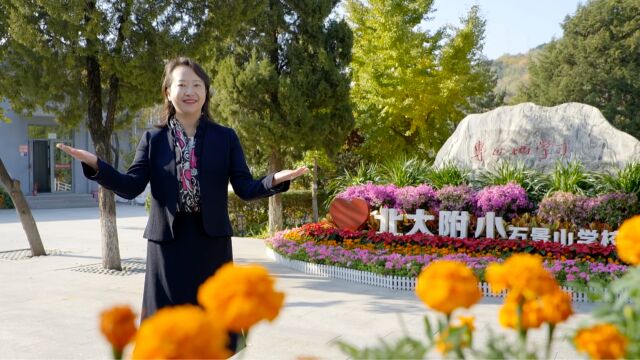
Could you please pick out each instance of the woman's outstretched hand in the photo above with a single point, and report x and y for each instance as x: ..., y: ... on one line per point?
x: 284, y: 175
x: 82, y: 155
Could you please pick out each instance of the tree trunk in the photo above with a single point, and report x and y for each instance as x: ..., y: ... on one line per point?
x: 101, y: 137
x: 314, y: 189
x: 275, y: 201
x: 23, y: 210
x: 107, y: 206
x: 110, y: 246
x: 116, y: 151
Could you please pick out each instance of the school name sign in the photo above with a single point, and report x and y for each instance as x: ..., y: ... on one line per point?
x: 456, y: 224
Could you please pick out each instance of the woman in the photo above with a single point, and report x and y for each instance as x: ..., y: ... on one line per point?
x: 189, y: 161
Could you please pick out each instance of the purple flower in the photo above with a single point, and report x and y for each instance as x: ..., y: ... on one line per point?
x: 505, y: 200
x: 375, y: 195
x: 410, y: 198
x: 612, y: 208
x: 460, y: 197
x: 564, y: 206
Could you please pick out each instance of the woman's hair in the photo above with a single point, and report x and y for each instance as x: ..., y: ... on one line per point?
x: 168, y: 109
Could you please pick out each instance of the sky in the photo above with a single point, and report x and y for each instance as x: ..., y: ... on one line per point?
x: 513, y: 26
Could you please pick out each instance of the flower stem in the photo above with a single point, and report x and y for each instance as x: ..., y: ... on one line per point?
x: 522, y: 332
x: 117, y: 353
x: 550, y: 330
x: 242, y: 342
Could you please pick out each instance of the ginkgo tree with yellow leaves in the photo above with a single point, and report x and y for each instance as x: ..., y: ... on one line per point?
x: 411, y: 86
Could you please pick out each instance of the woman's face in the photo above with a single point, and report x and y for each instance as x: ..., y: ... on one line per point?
x: 187, y: 92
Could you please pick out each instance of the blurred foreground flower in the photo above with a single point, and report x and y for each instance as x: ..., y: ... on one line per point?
x: 117, y: 324
x: 446, y: 285
x: 602, y: 341
x: 628, y: 241
x: 234, y: 299
x: 240, y: 296
x: 181, y: 332
x: 522, y: 274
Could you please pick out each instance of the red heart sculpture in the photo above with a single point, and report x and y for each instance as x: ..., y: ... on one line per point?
x: 349, y: 214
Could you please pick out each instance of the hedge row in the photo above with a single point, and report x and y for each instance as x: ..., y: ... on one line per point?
x: 5, y: 199
x: 252, y: 217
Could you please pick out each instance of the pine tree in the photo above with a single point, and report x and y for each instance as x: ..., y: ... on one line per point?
x: 282, y: 82
x: 596, y: 62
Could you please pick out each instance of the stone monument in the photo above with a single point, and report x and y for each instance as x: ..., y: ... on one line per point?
x: 538, y: 136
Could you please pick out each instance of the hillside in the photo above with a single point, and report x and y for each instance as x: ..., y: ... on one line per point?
x: 512, y: 71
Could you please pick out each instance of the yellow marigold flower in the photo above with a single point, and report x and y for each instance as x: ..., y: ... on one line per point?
x: 446, y: 285
x: 556, y: 306
x: 628, y: 241
x: 532, y: 315
x: 467, y: 321
x: 118, y: 326
x: 521, y: 273
x: 443, y: 344
x: 181, y: 332
x: 241, y: 296
x: 602, y: 341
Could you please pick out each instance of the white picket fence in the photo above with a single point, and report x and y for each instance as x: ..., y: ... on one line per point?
x: 389, y: 282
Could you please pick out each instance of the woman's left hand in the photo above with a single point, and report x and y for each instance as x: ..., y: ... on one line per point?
x: 284, y: 175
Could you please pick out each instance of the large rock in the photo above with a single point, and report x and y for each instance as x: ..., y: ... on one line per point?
x: 539, y: 136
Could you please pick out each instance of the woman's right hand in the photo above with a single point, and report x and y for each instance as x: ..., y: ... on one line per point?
x: 82, y: 155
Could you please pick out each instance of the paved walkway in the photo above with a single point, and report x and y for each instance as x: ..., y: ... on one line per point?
x: 49, y: 306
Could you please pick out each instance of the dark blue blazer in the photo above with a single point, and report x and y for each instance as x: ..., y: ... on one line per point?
x: 221, y: 160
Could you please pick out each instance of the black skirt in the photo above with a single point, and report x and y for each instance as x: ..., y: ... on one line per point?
x: 176, y: 268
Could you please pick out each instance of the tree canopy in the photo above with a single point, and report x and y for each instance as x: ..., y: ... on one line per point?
x: 410, y: 86
x: 596, y: 62
x: 282, y: 82
x: 92, y: 60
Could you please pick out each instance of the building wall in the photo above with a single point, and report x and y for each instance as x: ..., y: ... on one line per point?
x: 15, y: 134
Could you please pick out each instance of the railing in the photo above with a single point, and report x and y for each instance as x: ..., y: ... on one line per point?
x: 386, y: 281
x: 62, y: 186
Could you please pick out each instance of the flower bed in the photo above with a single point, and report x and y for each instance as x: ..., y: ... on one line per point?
x: 510, y: 201
x: 406, y: 255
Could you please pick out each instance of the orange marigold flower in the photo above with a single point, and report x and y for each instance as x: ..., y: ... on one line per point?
x: 446, y: 285
x: 181, y: 332
x: 118, y: 326
x: 521, y: 273
x: 497, y: 276
x: 628, y: 241
x: 532, y: 315
x: 603, y: 341
x: 556, y: 306
x: 241, y: 296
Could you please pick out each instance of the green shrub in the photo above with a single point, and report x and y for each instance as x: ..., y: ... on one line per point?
x: 447, y: 174
x: 625, y: 180
x: 252, y: 217
x: 361, y: 175
x: 571, y: 177
x: 5, y: 199
x: 404, y: 171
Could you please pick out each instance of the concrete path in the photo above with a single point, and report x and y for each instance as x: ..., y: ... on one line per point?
x: 49, y: 306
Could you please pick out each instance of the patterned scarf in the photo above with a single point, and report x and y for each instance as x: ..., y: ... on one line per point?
x: 186, y: 168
